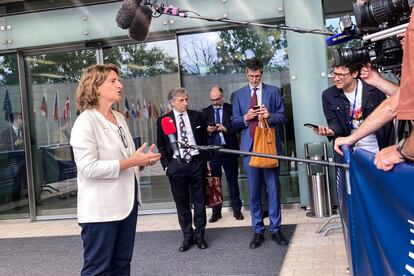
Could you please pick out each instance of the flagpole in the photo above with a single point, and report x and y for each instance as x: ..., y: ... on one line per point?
x: 59, y: 125
x: 47, y: 121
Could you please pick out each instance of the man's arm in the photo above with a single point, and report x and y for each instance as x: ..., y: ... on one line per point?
x: 384, y: 113
x: 388, y: 157
x: 372, y: 77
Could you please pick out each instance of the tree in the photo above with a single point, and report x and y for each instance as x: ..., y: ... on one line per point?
x: 136, y: 60
x: 238, y: 45
x: 197, y: 57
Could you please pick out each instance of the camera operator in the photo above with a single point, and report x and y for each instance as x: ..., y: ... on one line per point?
x: 400, y: 104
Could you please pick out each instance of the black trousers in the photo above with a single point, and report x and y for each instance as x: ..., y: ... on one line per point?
x: 187, y: 186
x: 108, y: 246
x: 229, y: 162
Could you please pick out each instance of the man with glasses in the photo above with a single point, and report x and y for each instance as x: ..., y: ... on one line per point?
x: 347, y: 103
x: 251, y: 101
x: 220, y: 133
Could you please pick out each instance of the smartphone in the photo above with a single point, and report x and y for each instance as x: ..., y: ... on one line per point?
x: 256, y: 107
x: 311, y: 125
x: 212, y: 124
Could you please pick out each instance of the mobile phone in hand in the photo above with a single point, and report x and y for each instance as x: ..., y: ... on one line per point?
x: 311, y: 126
x: 256, y: 107
x: 212, y: 124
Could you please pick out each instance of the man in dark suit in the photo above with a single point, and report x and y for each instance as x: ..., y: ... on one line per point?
x: 13, y: 142
x: 253, y: 100
x: 187, y: 175
x: 220, y: 133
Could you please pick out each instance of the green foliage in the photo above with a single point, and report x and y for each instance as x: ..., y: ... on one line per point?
x: 67, y: 67
x: 137, y: 61
x: 238, y: 45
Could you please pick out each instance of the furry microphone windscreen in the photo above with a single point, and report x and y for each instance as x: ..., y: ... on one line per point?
x: 140, y: 24
x: 126, y: 13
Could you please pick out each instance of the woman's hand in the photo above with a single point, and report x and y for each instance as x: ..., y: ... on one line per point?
x: 140, y: 158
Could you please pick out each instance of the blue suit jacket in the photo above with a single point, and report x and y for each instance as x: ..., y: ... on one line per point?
x: 271, y: 98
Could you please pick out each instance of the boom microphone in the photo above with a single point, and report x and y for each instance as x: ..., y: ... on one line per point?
x: 140, y: 24
x: 126, y: 13
x: 169, y: 129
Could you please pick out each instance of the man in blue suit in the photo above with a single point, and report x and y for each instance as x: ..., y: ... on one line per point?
x: 254, y: 100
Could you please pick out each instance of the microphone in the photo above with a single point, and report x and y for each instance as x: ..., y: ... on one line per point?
x: 140, y: 24
x: 126, y: 13
x: 341, y: 37
x: 169, y: 129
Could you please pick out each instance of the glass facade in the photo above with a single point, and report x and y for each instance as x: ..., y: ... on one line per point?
x: 196, y: 61
x: 13, y: 177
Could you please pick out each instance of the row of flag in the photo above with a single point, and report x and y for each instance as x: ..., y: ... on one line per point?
x: 66, y: 108
x: 149, y: 110
x: 8, y: 112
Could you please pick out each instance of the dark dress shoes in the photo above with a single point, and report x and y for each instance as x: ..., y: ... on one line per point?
x: 279, y: 238
x: 215, y: 217
x: 238, y: 215
x: 186, y: 245
x: 257, y: 240
x: 201, y: 243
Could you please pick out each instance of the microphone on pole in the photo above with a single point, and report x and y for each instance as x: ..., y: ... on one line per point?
x: 169, y: 129
x: 140, y: 24
x: 126, y: 13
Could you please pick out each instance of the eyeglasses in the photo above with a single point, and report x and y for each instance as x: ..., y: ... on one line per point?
x: 339, y: 75
x: 121, y: 133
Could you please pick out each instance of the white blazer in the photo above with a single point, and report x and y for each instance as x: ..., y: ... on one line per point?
x: 104, y: 192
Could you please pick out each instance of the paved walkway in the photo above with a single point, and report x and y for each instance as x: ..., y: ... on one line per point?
x: 308, y: 254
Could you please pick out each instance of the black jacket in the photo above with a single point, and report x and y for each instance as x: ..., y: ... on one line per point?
x: 336, y: 109
x: 230, y: 136
x: 199, y: 131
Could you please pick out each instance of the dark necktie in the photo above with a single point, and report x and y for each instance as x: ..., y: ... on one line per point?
x: 184, y: 139
x: 217, y: 139
x: 253, y: 123
x: 19, y: 133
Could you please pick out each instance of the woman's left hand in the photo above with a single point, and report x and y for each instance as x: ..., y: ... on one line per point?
x: 145, y: 159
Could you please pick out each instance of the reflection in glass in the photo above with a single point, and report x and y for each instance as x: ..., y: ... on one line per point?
x: 218, y: 58
x: 13, y: 178
x: 52, y: 82
x: 148, y: 71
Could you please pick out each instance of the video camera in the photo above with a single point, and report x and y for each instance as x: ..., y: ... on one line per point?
x: 378, y: 22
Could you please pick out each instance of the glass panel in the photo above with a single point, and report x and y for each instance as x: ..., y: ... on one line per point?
x: 218, y: 58
x: 52, y: 82
x: 148, y: 71
x: 13, y: 177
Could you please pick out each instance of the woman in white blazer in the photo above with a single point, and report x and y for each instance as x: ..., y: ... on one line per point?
x: 108, y: 173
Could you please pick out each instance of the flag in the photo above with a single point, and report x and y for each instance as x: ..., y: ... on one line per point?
x: 43, y: 106
x: 155, y: 113
x: 8, y: 113
x: 145, y: 110
x: 133, y: 111
x: 138, y: 110
x: 126, y: 108
x: 55, y: 109
x: 149, y: 109
x: 66, y: 110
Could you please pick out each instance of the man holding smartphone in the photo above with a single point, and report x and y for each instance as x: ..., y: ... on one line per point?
x: 251, y: 101
x: 220, y: 133
x: 347, y: 103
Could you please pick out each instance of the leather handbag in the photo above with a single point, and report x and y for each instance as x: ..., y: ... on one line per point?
x: 264, y: 142
x: 213, y: 195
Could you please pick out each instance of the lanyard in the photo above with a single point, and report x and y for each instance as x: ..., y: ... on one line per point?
x: 351, y: 116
